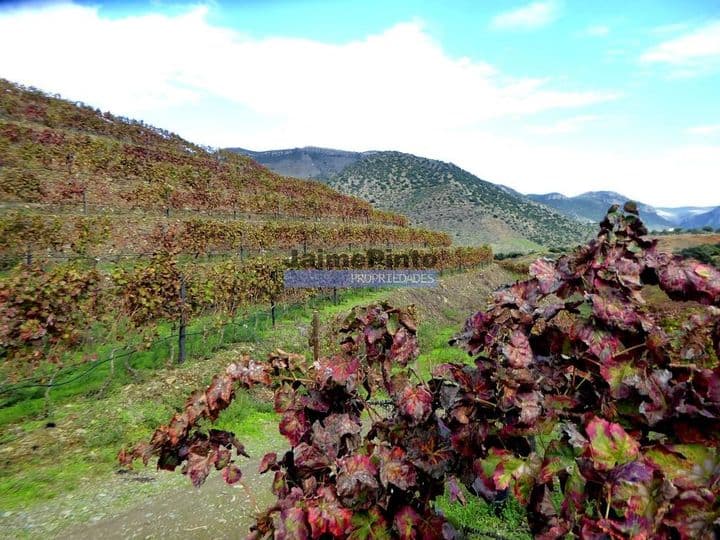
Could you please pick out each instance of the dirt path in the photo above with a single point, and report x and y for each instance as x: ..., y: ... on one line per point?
x: 149, y: 504
x: 216, y: 510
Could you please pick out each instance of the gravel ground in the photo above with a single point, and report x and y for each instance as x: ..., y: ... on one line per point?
x: 216, y: 510
x: 147, y: 504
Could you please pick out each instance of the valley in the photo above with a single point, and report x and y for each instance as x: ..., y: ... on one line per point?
x: 359, y: 270
x: 137, y: 268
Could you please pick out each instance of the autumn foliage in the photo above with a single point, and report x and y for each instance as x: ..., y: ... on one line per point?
x: 53, y: 151
x: 582, y: 401
x: 47, y: 309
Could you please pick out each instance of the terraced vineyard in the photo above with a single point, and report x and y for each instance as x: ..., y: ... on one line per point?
x: 55, y: 151
x: 31, y: 233
x: 110, y: 228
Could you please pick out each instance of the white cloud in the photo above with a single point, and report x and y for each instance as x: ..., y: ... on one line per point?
x: 530, y: 16
x: 394, y: 90
x: 711, y: 129
x: 400, y: 79
x: 692, y: 49
x: 597, y: 30
x: 564, y: 126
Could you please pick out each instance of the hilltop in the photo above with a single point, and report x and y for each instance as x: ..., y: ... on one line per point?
x: 436, y: 195
x: 308, y: 162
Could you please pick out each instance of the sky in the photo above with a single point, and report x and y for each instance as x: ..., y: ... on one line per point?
x: 542, y: 96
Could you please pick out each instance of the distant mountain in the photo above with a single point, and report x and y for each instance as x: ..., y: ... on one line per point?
x: 433, y: 194
x: 592, y: 206
x: 308, y: 162
x: 706, y: 219
x: 444, y: 197
x: 682, y: 213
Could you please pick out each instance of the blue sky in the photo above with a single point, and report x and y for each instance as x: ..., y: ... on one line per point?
x: 551, y: 95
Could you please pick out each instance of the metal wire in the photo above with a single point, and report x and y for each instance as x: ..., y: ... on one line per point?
x: 212, y: 332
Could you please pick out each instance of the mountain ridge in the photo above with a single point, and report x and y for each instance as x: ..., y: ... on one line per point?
x: 311, y: 162
x: 589, y: 207
x: 434, y: 194
x: 592, y: 205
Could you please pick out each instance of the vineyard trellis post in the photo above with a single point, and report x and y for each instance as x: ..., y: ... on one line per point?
x: 315, y: 335
x: 182, y: 330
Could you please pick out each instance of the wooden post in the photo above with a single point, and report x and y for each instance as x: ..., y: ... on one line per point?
x: 28, y: 257
x: 335, y: 295
x: 182, y: 331
x: 315, y: 336
x: 272, y: 310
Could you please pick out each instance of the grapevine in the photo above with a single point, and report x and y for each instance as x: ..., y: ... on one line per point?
x: 579, y: 401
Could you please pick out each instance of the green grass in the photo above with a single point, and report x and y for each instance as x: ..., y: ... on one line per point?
x: 253, y: 421
x: 511, y: 245
x: 94, y: 454
x: 434, y: 348
x: 507, y: 520
x: 41, y: 483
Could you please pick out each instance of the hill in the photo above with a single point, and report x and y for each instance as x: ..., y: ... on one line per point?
x: 308, y: 162
x: 444, y: 197
x: 76, y: 180
x: 54, y: 151
x: 437, y: 195
x: 592, y: 206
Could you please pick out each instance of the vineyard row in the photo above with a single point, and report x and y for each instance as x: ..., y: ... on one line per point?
x: 23, y: 233
x: 46, y: 165
x: 83, y: 206
x: 47, y: 311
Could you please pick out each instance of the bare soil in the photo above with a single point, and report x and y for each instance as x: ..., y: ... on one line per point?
x: 676, y: 242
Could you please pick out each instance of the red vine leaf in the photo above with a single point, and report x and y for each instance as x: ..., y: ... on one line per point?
x: 415, y: 402
x: 610, y: 445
